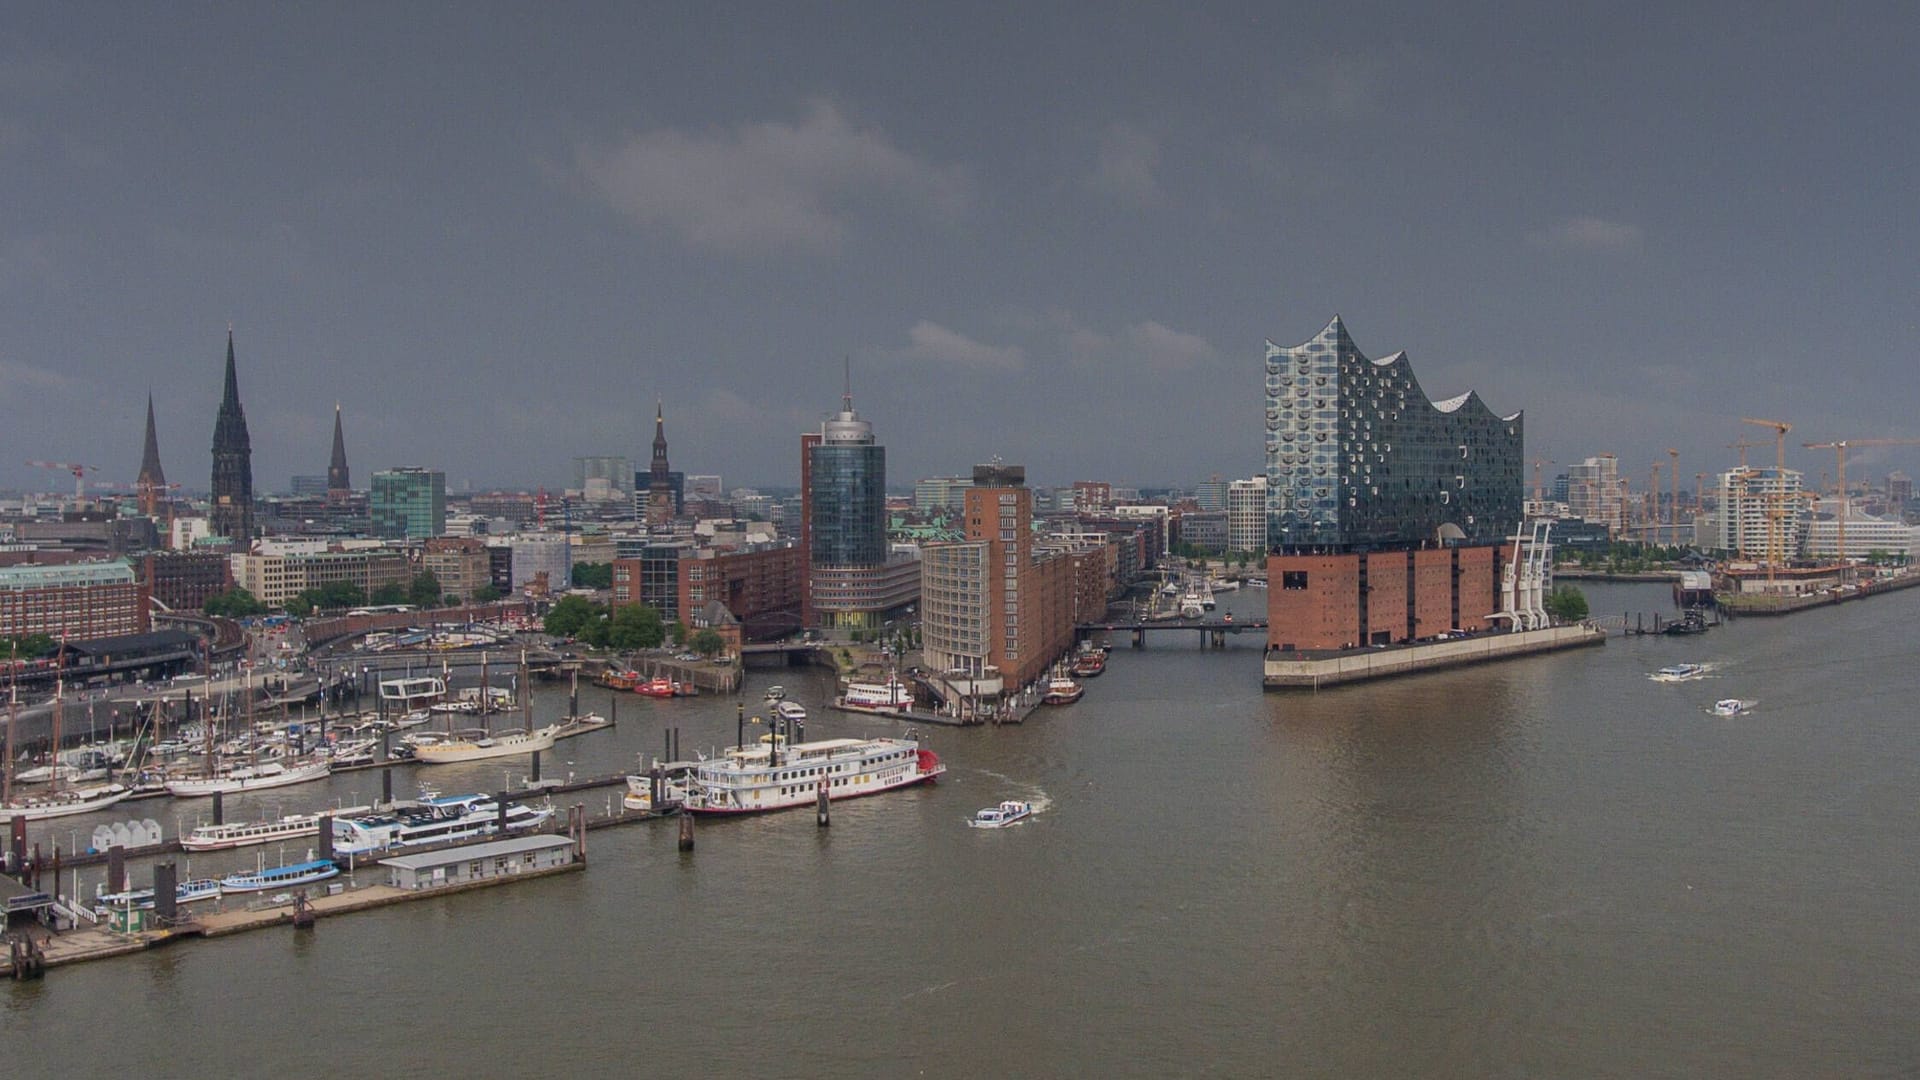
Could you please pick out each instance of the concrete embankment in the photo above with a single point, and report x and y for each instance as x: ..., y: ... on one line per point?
x: 1293, y: 671
x: 1752, y: 604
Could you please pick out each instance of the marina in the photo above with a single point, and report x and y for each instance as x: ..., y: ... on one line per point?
x: 1323, y: 786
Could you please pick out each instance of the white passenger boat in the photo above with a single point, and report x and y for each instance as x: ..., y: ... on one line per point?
x: 1731, y: 707
x: 639, y: 794
x: 790, y: 710
x: 1679, y: 673
x: 892, y: 694
x: 999, y: 817
x: 481, y: 745
x: 280, y: 877
x: 434, y: 819
x: 186, y: 892
x: 776, y: 692
x: 267, y: 774
x: 776, y: 776
x: 411, y: 694
x: 246, y: 834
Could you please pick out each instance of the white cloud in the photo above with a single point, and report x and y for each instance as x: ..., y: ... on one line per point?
x: 933, y: 344
x: 1126, y: 164
x: 1147, y: 345
x: 1588, y: 234
x: 764, y: 186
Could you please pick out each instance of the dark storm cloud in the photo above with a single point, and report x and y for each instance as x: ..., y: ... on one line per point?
x: 497, y: 236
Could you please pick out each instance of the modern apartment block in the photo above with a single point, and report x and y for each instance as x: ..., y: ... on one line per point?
x: 996, y: 606
x: 1593, y: 492
x: 1751, y: 501
x: 408, y: 503
x: 1247, y: 515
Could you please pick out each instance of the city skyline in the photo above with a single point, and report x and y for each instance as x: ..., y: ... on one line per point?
x: 1633, y: 231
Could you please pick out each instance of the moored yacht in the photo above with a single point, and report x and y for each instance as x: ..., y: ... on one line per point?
x: 280, y: 877
x: 268, y: 774
x: 480, y: 745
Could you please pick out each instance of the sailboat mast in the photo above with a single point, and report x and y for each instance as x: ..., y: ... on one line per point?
x: 13, y: 721
x: 59, y: 711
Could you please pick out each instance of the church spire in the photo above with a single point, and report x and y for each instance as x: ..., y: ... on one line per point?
x: 152, y: 479
x: 660, y: 500
x: 338, y: 479
x: 232, y: 514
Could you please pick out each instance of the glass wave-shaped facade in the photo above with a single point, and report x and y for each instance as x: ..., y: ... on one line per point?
x: 1359, y: 457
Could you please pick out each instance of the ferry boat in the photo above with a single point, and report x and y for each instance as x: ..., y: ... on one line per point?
x: 775, y: 775
x: 790, y: 710
x: 1679, y: 673
x: 1730, y: 707
x: 186, y: 892
x: 480, y: 745
x: 245, y: 834
x: 434, y: 819
x: 892, y: 694
x: 271, y: 774
x: 280, y: 877
x: 1062, y: 690
x: 62, y: 803
x: 999, y: 817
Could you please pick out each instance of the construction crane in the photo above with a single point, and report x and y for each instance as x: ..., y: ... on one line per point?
x: 1653, y: 499
x: 1742, y: 446
x: 1839, y: 448
x: 1776, y: 504
x: 79, y: 475
x: 1673, y: 504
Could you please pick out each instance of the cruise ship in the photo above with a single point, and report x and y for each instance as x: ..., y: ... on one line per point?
x: 777, y: 776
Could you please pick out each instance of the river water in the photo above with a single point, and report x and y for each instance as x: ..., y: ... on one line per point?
x: 1550, y: 867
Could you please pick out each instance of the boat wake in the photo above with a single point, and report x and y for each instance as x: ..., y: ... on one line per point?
x: 1033, y: 794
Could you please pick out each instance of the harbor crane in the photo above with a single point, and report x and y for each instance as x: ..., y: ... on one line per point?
x: 79, y: 475
x: 1776, y: 504
x: 1839, y: 448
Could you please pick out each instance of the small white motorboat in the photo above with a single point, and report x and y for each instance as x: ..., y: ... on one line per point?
x: 999, y: 817
x: 1731, y: 707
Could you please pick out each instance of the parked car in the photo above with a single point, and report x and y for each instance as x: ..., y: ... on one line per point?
x: 688, y: 657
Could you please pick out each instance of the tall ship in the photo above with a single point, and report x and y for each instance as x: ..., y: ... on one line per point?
x: 479, y: 745
x: 774, y: 775
x: 267, y: 774
x: 434, y: 819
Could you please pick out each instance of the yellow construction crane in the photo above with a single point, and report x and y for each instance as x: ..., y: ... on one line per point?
x: 1673, y: 503
x: 1653, y: 498
x: 1839, y: 448
x: 1776, y: 501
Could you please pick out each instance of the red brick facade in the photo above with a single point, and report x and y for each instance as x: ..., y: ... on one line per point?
x: 1317, y: 602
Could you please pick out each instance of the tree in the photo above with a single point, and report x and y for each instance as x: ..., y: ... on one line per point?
x: 1566, y: 604
x: 390, y: 593
x: 593, y: 575
x: 28, y: 647
x: 486, y: 594
x: 570, y: 616
x: 636, y: 626
x: 235, y: 603
x: 707, y: 643
x: 425, y: 591
x: 676, y: 631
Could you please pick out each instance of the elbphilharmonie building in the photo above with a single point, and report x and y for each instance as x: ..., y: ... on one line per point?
x: 1359, y: 458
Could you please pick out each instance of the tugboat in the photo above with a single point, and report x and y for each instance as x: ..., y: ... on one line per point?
x: 1694, y: 621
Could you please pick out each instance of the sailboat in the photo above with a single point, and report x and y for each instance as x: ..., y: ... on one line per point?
x: 253, y: 776
x: 56, y: 802
x: 479, y: 744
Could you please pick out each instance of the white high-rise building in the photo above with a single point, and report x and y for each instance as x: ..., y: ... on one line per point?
x: 1749, y: 499
x: 1593, y: 491
x: 1247, y: 515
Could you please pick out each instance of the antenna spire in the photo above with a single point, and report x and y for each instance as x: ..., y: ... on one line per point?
x: 846, y: 396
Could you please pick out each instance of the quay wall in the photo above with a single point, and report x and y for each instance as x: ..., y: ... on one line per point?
x: 1314, y: 673
x: 1756, y: 604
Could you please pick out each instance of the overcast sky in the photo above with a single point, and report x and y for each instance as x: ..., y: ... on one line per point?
x: 1050, y: 233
